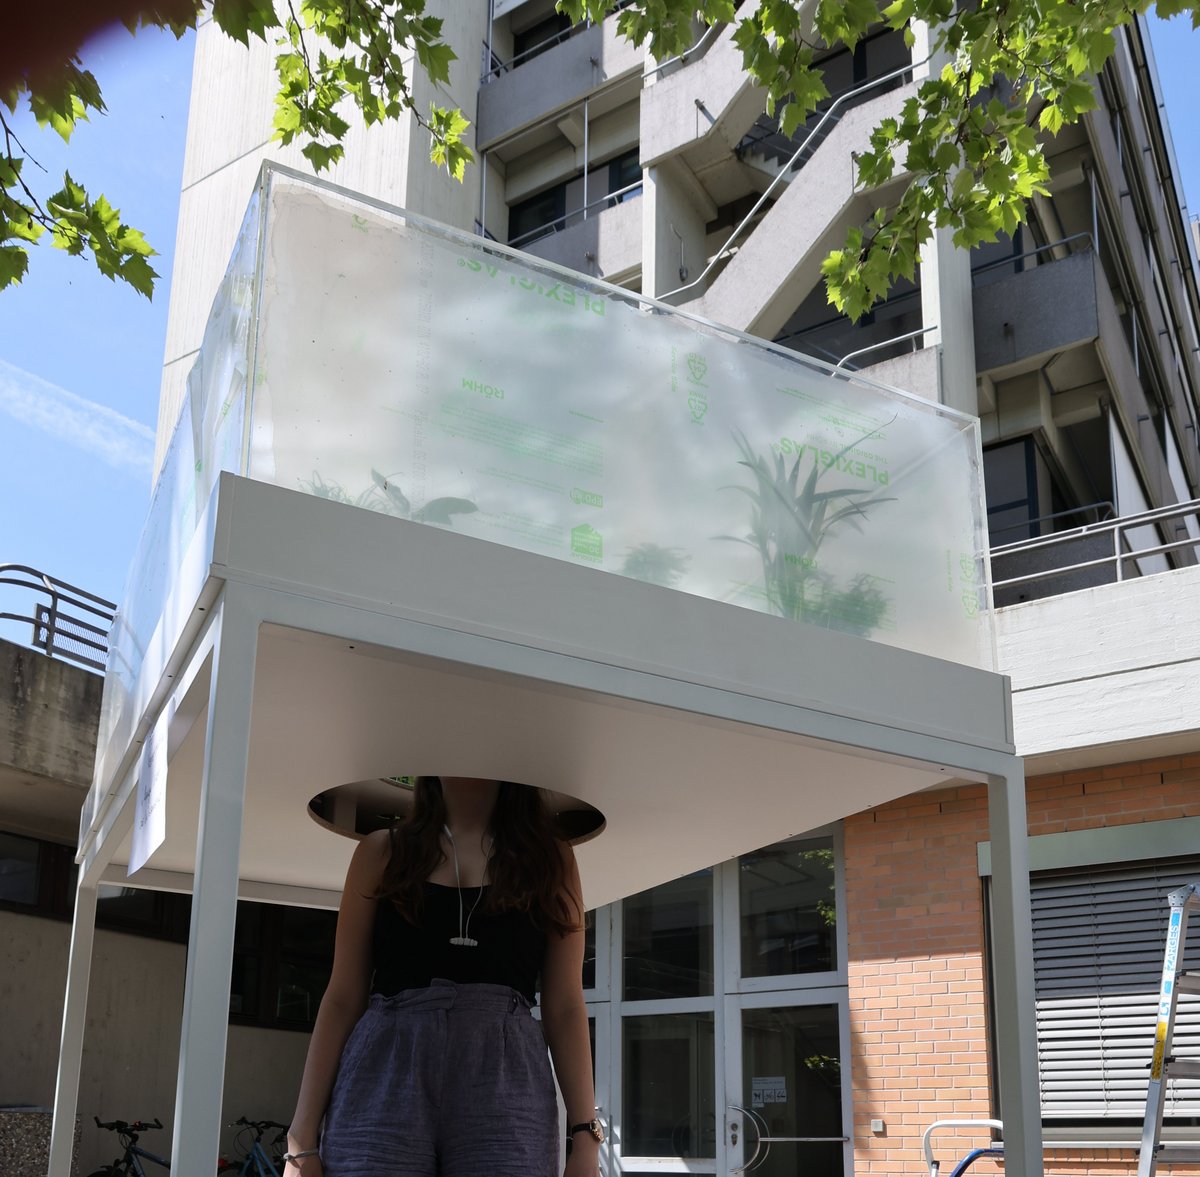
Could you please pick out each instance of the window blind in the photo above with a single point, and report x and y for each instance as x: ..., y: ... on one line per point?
x: 1098, y: 942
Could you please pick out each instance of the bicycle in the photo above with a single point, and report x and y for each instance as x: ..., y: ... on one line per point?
x: 129, y: 1164
x: 258, y: 1162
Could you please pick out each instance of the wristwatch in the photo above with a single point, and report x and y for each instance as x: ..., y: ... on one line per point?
x: 594, y: 1128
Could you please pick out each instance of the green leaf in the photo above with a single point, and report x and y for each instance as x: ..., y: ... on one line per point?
x: 321, y: 155
x: 1051, y: 119
x: 14, y: 263
x: 436, y: 59
x: 241, y: 19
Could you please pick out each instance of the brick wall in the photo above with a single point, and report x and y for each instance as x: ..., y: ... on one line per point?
x: 917, y: 990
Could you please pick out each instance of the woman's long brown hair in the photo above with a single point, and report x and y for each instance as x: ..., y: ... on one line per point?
x: 525, y: 871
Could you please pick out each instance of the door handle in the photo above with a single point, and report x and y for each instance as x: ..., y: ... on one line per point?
x: 761, y: 1134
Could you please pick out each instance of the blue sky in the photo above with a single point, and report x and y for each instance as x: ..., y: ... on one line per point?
x: 81, y: 357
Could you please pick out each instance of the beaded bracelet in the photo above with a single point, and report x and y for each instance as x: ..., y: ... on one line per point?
x: 292, y: 1158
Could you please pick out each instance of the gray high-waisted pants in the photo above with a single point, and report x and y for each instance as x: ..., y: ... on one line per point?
x: 449, y: 1081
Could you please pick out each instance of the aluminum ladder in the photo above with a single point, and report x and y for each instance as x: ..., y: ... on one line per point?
x: 1164, y: 1066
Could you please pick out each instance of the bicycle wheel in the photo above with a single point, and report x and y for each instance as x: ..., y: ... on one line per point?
x: 110, y: 1171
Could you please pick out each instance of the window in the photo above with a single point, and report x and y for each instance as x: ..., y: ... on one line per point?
x: 667, y: 1066
x: 281, y: 957
x: 536, y: 39
x: 788, y: 905
x: 541, y: 212
x: 281, y: 962
x: 18, y: 870
x: 38, y: 878
x: 669, y: 940
x: 1098, y: 941
x: 623, y: 172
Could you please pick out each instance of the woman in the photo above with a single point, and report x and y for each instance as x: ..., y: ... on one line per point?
x: 424, y: 1060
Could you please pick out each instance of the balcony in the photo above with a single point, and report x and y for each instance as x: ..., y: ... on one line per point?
x: 1104, y: 553
x: 1104, y: 649
x: 1061, y: 316
x: 520, y: 93
x: 604, y: 237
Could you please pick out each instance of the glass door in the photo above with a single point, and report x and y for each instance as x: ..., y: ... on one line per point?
x: 784, y: 1013
x: 727, y: 996
x: 669, y: 1038
x: 784, y: 1097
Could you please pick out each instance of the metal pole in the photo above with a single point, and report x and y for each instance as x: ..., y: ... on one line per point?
x: 1095, y: 212
x: 585, y: 158
x: 483, y: 194
x: 74, y: 1026
x: 203, y: 1037
x: 1016, y: 1031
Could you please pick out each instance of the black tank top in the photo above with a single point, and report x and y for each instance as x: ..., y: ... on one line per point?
x: 409, y: 956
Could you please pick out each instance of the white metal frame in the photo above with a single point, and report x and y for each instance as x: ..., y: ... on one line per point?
x: 246, y: 571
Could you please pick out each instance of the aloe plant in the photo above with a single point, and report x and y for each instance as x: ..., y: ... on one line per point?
x: 791, y: 521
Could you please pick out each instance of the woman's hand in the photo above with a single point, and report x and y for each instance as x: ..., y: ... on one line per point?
x: 309, y: 1166
x: 584, y: 1157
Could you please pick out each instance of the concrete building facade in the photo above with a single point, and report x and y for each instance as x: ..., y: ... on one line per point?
x: 833, y: 987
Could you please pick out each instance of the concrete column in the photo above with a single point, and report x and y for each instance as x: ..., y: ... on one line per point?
x: 1012, y: 976
x: 675, y: 210
x: 203, y: 1037
x: 946, y: 291
x: 74, y: 1023
x: 947, y: 303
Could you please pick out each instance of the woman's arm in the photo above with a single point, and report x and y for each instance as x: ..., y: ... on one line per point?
x: 565, y: 1023
x: 344, y: 1000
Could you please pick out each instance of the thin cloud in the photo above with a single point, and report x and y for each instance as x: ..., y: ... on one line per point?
x: 115, y: 439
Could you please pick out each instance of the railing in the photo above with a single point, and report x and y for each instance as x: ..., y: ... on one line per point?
x: 814, y: 136
x: 498, y: 67
x: 908, y: 336
x: 699, y: 49
x: 1119, y: 530
x: 68, y: 623
x: 610, y: 200
x: 1106, y: 506
x: 493, y: 67
x: 1012, y: 258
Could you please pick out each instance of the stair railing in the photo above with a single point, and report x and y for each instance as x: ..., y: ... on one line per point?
x: 811, y: 137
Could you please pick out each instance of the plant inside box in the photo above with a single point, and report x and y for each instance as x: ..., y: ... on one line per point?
x: 791, y: 522
x: 384, y: 495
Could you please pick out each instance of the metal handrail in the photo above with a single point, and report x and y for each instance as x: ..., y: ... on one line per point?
x: 566, y: 34
x: 710, y: 33
x: 534, y: 234
x: 1107, y: 504
x: 533, y: 50
x: 783, y: 171
x: 862, y: 351
x: 58, y: 622
x: 1020, y: 257
x: 927, y: 1136
x: 1118, y: 528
